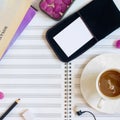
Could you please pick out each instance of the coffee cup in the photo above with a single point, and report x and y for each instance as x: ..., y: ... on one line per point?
x: 108, y: 84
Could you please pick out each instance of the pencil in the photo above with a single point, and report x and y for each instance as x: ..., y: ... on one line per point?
x: 9, y: 109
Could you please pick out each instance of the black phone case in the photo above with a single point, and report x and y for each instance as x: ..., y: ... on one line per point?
x: 101, y: 18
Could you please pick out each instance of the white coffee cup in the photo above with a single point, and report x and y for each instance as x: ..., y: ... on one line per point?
x: 108, y: 84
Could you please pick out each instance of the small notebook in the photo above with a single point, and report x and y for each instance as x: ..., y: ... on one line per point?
x: 27, y: 18
x: 12, y: 14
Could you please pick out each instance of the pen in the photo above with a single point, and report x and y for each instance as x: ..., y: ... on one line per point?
x: 9, y: 109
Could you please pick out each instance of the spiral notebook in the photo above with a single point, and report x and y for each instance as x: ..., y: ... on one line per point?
x: 50, y: 89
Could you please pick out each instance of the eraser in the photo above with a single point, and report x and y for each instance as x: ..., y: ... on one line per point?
x: 28, y: 115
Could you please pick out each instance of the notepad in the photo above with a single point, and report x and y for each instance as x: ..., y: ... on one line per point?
x: 11, y: 15
x: 73, y: 37
x: 26, y: 20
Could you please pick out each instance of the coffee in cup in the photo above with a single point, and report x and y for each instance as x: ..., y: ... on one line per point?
x: 108, y: 84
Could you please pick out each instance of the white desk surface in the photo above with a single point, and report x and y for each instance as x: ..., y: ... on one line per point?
x: 31, y: 71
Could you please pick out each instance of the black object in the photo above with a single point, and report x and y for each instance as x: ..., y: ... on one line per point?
x: 9, y: 109
x: 100, y: 17
x: 79, y: 113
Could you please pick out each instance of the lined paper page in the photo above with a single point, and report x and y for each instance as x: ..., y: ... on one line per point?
x: 30, y: 71
x: 104, y: 46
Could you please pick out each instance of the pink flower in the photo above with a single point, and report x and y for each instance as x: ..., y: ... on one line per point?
x: 67, y: 2
x: 1, y: 95
x: 117, y: 44
x: 50, y: 1
x: 49, y: 10
x: 43, y: 5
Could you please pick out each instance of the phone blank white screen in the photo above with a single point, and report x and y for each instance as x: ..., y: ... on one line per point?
x: 74, y: 36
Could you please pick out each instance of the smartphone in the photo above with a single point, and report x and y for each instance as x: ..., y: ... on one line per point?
x: 78, y: 32
x: 70, y: 38
x: 55, y: 8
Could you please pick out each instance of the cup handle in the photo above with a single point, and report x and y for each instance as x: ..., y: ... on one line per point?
x: 100, y: 102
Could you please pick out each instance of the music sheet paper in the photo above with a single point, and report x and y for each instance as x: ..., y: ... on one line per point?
x: 31, y: 71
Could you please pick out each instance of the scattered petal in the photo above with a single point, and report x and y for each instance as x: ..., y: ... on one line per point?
x: 117, y: 44
x: 1, y: 95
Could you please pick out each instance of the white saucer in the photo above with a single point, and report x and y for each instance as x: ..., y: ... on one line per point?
x: 88, y: 81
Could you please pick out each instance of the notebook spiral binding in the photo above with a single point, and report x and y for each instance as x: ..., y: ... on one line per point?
x: 67, y: 94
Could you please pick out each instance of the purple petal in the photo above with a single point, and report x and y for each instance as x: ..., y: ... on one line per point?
x: 57, y: 9
x: 1, y: 95
x: 50, y: 1
x: 63, y: 8
x: 67, y: 2
x: 56, y: 15
x: 43, y: 5
x: 58, y: 2
x: 49, y: 10
x: 117, y: 44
